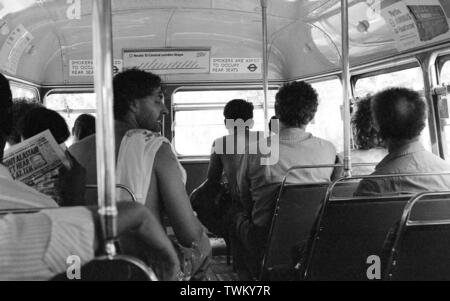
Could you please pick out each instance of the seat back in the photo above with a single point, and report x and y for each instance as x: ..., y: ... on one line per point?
x: 350, y: 231
x: 296, y: 209
x: 294, y: 217
x: 421, y: 245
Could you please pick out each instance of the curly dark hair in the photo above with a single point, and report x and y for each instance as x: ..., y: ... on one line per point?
x: 20, y: 107
x: 364, y: 133
x: 400, y: 113
x: 6, y: 121
x: 132, y: 84
x: 238, y: 109
x: 296, y: 104
x: 40, y: 119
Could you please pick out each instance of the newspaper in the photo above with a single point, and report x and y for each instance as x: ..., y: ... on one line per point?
x: 36, y: 162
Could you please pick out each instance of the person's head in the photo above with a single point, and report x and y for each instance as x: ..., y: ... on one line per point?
x: 272, y: 119
x: 138, y: 99
x: 399, y: 114
x: 364, y: 133
x: 6, y: 121
x: 239, y: 109
x: 20, y: 108
x: 38, y: 120
x: 296, y: 104
x: 84, y: 126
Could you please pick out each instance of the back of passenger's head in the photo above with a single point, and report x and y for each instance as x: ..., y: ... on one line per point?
x: 6, y: 121
x: 238, y: 109
x: 20, y: 108
x: 38, y: 120
x: 272, y: 119
x: 364, y: 132
x: 84, y: 126
x: 130, y: 85
x: 296, y: 104
x: 400, y: 113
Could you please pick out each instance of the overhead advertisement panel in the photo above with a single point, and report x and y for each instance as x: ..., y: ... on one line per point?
x: 168, y: 61
x: 415, y: 23
x: 18, y: 41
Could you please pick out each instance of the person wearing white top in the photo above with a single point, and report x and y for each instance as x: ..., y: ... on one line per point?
x: 147, y: 163
x: 36, y: 246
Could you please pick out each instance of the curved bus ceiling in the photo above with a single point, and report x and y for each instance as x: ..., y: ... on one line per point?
x: 304, y: 35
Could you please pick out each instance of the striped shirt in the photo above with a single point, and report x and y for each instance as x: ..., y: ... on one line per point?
x: 17, y: 195
x: 36, y: 246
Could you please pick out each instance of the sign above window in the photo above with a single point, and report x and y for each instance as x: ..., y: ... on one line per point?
x: 168, y: 60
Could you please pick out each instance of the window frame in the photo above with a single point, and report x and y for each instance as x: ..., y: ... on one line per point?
x: 383, y: 69
x: 207, y: 106
x: 442, y: 58
x: 32, y: 88
x: 70, y: 91
x: 395, y: 67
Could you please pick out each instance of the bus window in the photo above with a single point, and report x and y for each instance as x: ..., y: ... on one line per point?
x: 445, y: 74
x: 327, y: 123
x: 445, y: 79
x: 22, y: 91
x: 71, y: 105
x: 408, y: 78
x: 198, y: 117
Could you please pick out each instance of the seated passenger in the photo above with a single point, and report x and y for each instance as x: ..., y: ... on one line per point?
x: 20, y: 108
x: 38, y: 120
x: 84, y: 126
x: 36, y: 246
x: 273, y: 120
x: 146, y: 161
x: 368, y: 145
x: 399, y: 115
x: 295, y: 106
x: 225, y: 159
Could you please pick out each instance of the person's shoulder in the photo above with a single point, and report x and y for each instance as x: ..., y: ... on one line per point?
x: 82, y: 146
x: 144, y: 136
x: 324, y: 143
x: 220, y: 140
x: 431, y: 158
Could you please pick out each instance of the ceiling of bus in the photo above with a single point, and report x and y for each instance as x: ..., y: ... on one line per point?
x: 43, y: 40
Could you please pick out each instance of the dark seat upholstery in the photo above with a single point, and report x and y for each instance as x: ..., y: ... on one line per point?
x: 351, y: 230
x: 294, y: 217
x: 424, y: 254
x: 121, y: 268
x: 422, y: 246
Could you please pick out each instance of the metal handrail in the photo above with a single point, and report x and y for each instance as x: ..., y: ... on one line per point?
x: 25, y: 210
x: 405, y: 222
x: 105, y: 138
x: 314, y: 235
x: 126, y: 188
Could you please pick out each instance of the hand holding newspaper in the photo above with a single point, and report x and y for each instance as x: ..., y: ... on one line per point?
x: 36, y: 162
